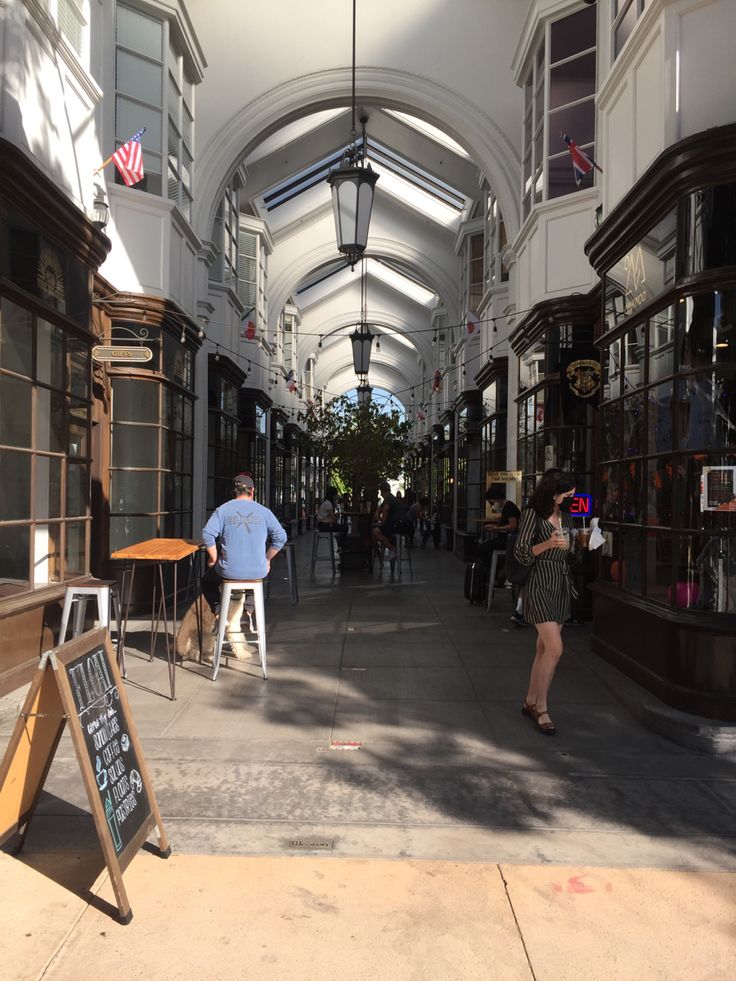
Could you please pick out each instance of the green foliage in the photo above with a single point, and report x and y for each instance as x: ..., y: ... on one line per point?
x: 361, y: 445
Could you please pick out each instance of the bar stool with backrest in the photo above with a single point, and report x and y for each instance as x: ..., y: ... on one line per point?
x: 318, y: 535
x: 230, y: 586
x: 106, y: 592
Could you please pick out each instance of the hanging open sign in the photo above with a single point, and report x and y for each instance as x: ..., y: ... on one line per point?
x: 582, y: 505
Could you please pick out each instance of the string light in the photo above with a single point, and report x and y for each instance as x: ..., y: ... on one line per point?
x: 217, y: 352
x: 320, y: 341
x: 183, y: 338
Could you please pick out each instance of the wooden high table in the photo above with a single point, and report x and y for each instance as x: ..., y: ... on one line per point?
x: 161, y: 552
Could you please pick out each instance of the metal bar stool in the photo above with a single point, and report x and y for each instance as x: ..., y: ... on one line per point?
x: 495, y: 555
x: 230, y: 586
x: 315, y: 547
x: 105, y: 592
x: 288, y: 551
x: 403, y: 554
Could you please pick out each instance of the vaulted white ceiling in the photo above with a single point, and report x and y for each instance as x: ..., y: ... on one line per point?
x: 443, y: 113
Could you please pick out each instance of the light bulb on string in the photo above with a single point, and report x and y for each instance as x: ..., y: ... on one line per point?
x: 183, y: 338
x: 217, y: 352
x: 320, y: 341
x: 378, y: 344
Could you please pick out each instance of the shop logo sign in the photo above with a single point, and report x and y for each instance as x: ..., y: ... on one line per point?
x: 635, y: 291
x: 49, y: 275
x: 584, y: 377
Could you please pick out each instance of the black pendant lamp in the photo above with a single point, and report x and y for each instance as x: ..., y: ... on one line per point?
x: 352, y: 186
x: 361, y: 338
x: 364, y: 394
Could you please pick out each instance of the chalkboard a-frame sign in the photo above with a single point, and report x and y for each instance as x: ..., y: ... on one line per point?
x: 80, y: 683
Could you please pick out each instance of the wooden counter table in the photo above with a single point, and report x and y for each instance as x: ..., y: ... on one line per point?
x: 161, y: 552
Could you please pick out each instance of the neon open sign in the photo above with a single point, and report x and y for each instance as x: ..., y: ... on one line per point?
x: 582, y: 505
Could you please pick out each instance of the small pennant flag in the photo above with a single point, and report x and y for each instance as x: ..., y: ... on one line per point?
x: 291, y: 381
x: 473, y: 324
x: 582, y: 164
x: 129, y: 159
x: 249, y: 331
x: 420, y: 415
x: 437, y: 381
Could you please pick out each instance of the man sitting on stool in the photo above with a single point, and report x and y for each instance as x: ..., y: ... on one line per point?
x: 510, y: 514
x: 241, y: 538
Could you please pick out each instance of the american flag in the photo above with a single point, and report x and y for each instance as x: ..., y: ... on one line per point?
x: 291, y: 381
x: 129, y: 159
x: 581, y: 162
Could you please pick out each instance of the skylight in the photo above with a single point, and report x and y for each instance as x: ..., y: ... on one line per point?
x: 414, y: 196
x: 429, y: 130
x: 397, y: 280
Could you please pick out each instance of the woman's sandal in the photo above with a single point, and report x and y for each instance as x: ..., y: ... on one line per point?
x: 546, y: 728
x: 527, y: 708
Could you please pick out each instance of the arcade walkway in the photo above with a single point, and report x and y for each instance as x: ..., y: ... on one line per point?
x: 390, y: 729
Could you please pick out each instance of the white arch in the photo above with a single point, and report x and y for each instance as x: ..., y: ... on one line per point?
x: 462, y: 119
x: 437, y: 278
x: 392, y: 324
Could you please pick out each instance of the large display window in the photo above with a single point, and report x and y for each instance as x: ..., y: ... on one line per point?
x: 668, y: 416
x: 44, y: 450
x: 152, y: 445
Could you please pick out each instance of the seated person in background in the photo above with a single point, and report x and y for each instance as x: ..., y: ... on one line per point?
x: 413, y: 516
x: 241, y: 537
x: 388, y: 514
x: 509, y: 522
x: 327, y: 516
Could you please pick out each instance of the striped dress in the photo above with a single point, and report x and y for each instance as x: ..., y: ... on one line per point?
x: 547, y: 592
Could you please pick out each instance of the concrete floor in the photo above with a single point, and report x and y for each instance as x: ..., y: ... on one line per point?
x: 389, y: 737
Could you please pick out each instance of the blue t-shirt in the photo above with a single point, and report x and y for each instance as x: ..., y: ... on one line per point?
x: 243, y: 530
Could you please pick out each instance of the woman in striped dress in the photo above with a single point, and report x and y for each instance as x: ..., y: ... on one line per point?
x: 543, y: 543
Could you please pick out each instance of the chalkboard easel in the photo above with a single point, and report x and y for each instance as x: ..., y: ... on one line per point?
x: 79, y: 683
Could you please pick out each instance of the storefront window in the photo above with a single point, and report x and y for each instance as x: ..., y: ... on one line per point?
x: 222, y: 436
x: 152, y: 455
x: 44, y: 451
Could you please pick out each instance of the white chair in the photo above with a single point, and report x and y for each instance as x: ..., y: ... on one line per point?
x: 496, y: 554
x: 106, y: 592
x: 230, y: 586
x: 318, y: 535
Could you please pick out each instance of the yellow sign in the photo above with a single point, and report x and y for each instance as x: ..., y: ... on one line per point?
x: 502, y: 476
x: 124, y: 352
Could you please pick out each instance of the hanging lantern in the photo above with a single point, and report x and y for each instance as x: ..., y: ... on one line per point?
x: 364, y: 394
x: 361, y: 339
x: 352, y: 203
x: 352, y: 185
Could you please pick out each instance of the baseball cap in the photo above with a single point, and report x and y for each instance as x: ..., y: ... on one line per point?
x: 243, y: 481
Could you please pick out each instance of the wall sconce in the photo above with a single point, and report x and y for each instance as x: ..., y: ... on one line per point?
x: 100, y: 208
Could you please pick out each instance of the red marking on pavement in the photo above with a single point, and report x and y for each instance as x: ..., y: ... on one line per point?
x: 574, y: 884
x: 556, y: 887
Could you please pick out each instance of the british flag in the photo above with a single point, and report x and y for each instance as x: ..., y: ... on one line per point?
x: 129, y: 159
x: 581, y: 162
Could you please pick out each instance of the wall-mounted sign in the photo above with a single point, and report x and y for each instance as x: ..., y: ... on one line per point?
x: 582, y: 505
x: 121, y: 352
x: 635, y: 289
x: 718, y: 489
x: 504, y: 477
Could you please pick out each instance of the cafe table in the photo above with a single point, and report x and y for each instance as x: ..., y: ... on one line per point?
x: 159, y: 552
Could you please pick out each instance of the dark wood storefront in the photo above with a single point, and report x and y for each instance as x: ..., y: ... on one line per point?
x: 665, y: 609
x: 49, y: 252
